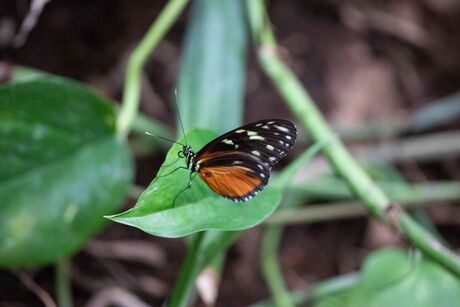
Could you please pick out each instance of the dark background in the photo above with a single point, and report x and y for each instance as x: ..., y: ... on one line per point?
x: 362, y: 61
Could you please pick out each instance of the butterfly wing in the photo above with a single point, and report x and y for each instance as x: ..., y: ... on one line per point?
x: 269, y: 140
x: 237, y: 164
x: 235, y: 175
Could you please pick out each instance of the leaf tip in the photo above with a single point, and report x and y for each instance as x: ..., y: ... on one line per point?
x: 118, y: 217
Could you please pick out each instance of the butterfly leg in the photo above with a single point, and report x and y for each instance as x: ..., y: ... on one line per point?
x: 173, y: 171
x: 189, y: 185
x: 169, y: 164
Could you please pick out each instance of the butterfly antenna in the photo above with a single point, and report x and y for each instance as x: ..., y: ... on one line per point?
x: 178, y: 114
x: 163, y: 138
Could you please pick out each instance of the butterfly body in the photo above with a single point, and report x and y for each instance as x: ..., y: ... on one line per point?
x: 237, y: 164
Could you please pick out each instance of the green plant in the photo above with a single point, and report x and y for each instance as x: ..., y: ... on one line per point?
x: 62, y: 168
x: 66, y: 163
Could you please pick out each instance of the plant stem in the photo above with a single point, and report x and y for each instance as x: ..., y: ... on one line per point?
x: 323, y: 290
x: 301, y: 104
x: 420, y: 192
x: 63, y: 288
x: 285, y: 177
x: 329, y: 212
x: 270, y: 266
x: 331, y: 286
x: 143, y: 124
x: 272, y: 236
x: 417, y: 148
x: 189, y: 270
x: 429, y: 147
x: 201, y: 253
x: 216, y: 245
x: 132, y: 88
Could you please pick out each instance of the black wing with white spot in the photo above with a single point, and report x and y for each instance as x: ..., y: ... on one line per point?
x: 237, y: 164
x: 269, y: 140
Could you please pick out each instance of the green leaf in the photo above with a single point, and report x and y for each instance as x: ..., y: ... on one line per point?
x: 337, y: 299
x: 62, y: 168
x: 198, y: 208
x: 211, y: 83
x: 391, y: 278
x: 25, y: 74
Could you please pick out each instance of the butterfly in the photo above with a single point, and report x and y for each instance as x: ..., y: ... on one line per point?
x: 237, y: 164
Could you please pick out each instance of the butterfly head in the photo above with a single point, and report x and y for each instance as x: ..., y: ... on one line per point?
x: 185, y: 152
x: 189, y: 156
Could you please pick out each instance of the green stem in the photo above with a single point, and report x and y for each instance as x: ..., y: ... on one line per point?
x: 416, y: 148
x: 321, y: 189
x: 213, y: 247
x: 272, y: 236
x: 185, y: 281
x: 202, y: 253
x: 285, y: 177
x: 62, y: 279
x: 323, y: 291
x: 330, y: 212
x: 301, y: 104
x: 131, y: 93
x: 142, y: 144
x: 331, y: 287
x: 143, y: 124
x: 270, y: 266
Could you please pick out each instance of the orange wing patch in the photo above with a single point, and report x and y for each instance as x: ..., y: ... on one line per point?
x: 234, y: 182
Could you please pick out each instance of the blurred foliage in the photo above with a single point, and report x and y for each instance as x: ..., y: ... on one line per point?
x: 436, y: 113
x: 62, y: 168
x: 391, y: 278
x: 212, y: 76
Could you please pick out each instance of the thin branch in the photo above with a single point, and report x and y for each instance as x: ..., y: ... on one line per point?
x: 131, y: 92
x: 324, y: 290
x: 62, y: 283
x: 115, y: 297
x: 36, y: 8
x: 301, y: 104
x: 271, y: 268
x: 36, y: 289
x: 328, y: 212
x: 189, y: 270
x: 131, y: 250
x: 430, y: 147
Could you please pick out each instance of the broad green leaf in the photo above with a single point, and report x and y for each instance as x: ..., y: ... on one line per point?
x: 391, y: 278
x: 196, y: 209
x: 211, y: 82
x: 61, y: 169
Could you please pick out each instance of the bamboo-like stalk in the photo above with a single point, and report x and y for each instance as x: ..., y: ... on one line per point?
x: 437, y: 191
x: 189, y: 270
x: 324, y: 290
x: 63, y: 286
x: 201, y: 253
x: 301, y: 104
x: 272, y: 236
x: 270, y: 267
x: 132, y: 87
x: 332, y: 212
